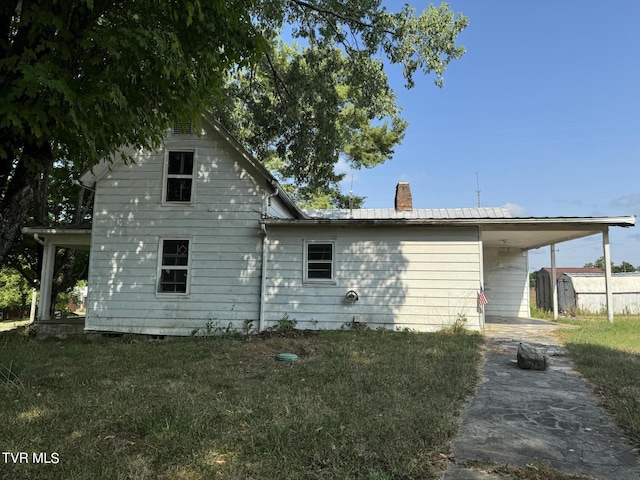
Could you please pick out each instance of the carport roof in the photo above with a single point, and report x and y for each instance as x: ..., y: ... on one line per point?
x: 497, y: 231
x: 70, y: 236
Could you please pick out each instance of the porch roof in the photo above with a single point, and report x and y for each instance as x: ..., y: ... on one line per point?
x: 518, y: 232
x: 77, y: 237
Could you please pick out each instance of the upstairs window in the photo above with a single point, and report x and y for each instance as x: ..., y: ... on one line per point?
x: 319, y: 261
x: 179, y: 184
x: 174, y: 266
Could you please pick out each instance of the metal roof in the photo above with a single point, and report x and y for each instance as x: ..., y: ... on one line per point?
x: 572, y: 270
x: 415, y: 214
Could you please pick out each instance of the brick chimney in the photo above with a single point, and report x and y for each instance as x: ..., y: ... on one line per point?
x: 403, y: 197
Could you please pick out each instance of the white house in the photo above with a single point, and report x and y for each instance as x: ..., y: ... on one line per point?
x: 199, y: 231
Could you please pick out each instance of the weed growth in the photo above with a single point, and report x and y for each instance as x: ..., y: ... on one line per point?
x: 10, y: 375
x: 285, y: 324
x: 459, y: 326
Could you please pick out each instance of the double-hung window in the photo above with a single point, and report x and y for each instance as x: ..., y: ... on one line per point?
x: 179, y: 177
x: 319, y: 264
x: 174, y: 266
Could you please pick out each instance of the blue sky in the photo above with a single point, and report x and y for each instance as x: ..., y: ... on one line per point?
x: 545, y: 106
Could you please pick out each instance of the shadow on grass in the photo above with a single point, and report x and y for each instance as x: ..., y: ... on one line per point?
x: 614, y: 376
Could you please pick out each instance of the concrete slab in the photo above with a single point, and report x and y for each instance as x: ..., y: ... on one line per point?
x: 520, y: 416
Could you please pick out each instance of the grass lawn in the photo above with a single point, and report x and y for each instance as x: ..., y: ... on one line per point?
x: 357, y: 404
x: 608, y: 356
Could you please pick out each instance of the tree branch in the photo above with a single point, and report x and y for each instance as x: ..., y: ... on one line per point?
x: 344, y: 18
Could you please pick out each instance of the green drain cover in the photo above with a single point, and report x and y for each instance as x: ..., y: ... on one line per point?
x: 286, y: 357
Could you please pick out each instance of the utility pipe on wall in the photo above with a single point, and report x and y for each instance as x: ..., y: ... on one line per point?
x: 263, y: 280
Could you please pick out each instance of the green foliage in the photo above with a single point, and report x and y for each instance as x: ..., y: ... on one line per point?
x: 459, y: 326
x: 81, y: 80
x: 213, y: 329
x: 15, y: 292
x: 540, y: 313
x: 285, y: 324
x: 112, y: 75
x: 623, y: 267
x: 304, y: 106
x: 355, y: 325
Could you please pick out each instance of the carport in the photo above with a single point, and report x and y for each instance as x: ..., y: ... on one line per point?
x: 78, y: 238
x: 535, y: 232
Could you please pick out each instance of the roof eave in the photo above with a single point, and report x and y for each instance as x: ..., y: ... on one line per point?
x: 533, y: 222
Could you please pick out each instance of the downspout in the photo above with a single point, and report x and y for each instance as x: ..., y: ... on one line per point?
x: 263, y: 282
x: 265, y: 255
x: 38, y: 239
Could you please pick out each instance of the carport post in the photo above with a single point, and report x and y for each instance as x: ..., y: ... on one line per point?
x: 553, y: 282
x: 607, y: 273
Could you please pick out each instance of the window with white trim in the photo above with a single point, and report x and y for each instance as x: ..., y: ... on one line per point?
x: 179, y: 177
x: 174, y: 266
x: 319, y: 261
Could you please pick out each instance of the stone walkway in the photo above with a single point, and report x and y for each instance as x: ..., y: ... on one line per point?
x: 520, y: 416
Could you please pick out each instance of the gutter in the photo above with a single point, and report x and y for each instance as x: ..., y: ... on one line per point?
x: 530, y: 222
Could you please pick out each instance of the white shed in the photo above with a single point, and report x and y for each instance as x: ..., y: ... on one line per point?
x: 585, y: 292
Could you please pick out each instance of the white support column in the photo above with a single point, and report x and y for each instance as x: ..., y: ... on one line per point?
x: 32, y: 314
x: 481, y: 310
x: 607, y: 273
x: 46, y: 281
x: 554, y: 283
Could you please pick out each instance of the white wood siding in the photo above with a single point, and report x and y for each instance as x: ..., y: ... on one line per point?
x: 506, y: 282
x: 419, y: 278
x: 222, y: 223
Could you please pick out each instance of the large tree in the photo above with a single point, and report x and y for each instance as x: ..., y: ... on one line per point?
x: 81, y: 79
x: 324, y: 96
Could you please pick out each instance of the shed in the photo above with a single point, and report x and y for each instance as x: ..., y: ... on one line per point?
x: 544, y: 298
x: 585, y: 292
